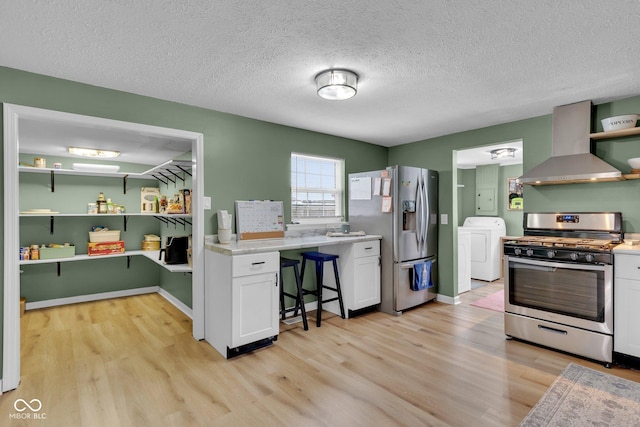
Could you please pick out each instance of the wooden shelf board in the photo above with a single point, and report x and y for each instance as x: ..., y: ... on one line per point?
x: 615, y: 133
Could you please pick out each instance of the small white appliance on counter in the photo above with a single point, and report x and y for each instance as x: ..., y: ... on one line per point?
x: 485, y: 232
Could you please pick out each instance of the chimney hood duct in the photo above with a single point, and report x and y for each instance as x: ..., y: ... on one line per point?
x: 571, y: 160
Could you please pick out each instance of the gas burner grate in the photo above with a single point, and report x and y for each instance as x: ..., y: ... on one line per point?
x: 566, y: 242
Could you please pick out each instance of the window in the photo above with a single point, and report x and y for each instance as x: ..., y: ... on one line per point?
x: 317, y: 195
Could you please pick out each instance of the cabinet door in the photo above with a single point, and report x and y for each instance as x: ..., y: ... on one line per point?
x: 254, y: 308
x: 366, y: 282
x: 626, y: 334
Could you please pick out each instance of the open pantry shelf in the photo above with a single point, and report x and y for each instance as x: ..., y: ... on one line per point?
x: 170, y: 171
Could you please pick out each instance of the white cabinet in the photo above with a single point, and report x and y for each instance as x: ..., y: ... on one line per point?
x: 359, y: 269
x: 241, y: 301
x: 626, y: 305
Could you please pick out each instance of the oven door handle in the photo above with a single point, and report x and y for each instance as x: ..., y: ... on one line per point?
x: 564, y: 265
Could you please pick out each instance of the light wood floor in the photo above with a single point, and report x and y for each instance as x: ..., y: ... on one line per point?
x: 132, y: 362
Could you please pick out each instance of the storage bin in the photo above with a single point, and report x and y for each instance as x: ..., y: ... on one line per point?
x: 150, y: 246
x: 105, y: 248
x: 59, y: 252
x: 104, y: 236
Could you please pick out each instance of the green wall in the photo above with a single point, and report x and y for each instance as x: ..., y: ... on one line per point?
x: 621, y: 196
x: 243, y: 159
x: 249, y: 159
x: 466, y: 197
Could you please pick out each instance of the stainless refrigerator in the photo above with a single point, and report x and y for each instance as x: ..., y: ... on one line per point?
x: 401, y: 204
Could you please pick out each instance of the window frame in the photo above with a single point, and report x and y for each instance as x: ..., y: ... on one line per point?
x: 338, y: 191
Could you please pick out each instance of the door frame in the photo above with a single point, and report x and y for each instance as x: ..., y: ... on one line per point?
x: 12, y: 115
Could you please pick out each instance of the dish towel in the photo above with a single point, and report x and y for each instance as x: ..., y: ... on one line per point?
x: 421, y: 276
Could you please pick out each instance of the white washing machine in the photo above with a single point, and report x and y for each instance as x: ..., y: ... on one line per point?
x: 485, y: 232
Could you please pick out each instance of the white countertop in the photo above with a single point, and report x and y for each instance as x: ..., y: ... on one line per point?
x: 627, y: 249
x: 284, y: 244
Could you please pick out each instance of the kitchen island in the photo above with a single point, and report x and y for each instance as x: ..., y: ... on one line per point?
x: 242, y: 285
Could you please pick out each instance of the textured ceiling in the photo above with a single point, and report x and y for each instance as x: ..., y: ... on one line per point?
x: 427, y: 68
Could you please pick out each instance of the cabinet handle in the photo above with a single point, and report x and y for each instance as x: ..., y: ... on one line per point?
x: 257, y: 263
x: 371, y: 247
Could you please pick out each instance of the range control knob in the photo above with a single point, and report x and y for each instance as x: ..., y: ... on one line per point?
x: 574, y: 256
x: 589, y: 257
x: 551, y: 253
x: 517, y: 251
x: 529, y: 252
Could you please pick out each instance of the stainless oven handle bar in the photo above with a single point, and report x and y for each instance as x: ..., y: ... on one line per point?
x: 565, y: 265
x: 555, y: 331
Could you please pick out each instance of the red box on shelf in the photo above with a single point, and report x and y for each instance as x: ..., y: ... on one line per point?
x: 105, y: 248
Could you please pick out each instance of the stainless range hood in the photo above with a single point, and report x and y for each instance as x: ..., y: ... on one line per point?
x: 571, y: 160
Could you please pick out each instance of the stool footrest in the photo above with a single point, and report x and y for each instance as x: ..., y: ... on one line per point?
x: 319, y: 259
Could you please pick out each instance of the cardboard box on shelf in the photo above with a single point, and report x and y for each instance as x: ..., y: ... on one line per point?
x: 149, y: 200
x: 105, y: 248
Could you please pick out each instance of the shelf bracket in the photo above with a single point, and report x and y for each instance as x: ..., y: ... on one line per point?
x: 185, y: 222
x: 51, y: 219
x: 178, y: 177
x: 126, y: 220
x: 53, y: 182
x: 168, y: 178
x: 183, y: 170
x: 58, y: 268
x: 124, y: 184
x: 159, y: 218
x: 128, y: 261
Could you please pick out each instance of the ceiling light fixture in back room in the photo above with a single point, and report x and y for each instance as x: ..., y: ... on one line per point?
x: 501, y: 153
x: 337, y: 85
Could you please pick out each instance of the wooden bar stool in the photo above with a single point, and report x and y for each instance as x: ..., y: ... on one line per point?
x: 298, y: 297
x: 320, y: 258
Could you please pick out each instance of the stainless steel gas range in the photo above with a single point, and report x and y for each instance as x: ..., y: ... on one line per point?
x: 559, y: 282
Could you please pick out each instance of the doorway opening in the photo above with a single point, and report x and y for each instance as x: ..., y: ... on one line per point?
x: 468, y: 192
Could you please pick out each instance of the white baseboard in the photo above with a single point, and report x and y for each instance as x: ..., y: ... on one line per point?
x: 91, y: 297
x: 177, y: 303
x: 448, y: 300
x: 115, y: 294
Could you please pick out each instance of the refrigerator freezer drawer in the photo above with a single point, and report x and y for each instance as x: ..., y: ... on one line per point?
x: 404, y: 276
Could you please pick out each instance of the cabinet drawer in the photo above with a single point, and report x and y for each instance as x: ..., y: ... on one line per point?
x: 363, y: 249
x: 245, y: 265
x: 627, y: 266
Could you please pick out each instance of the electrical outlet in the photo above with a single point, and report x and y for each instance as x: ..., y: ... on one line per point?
x: 444, y: 219
x: 207, y: 203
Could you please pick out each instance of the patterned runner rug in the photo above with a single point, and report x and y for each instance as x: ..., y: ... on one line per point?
x: 584, y: 397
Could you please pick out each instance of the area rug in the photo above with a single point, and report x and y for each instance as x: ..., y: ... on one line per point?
x: 494, y: 301
x: 584, y: 397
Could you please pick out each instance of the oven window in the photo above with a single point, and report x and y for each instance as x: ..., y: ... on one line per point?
x: 570, y: 291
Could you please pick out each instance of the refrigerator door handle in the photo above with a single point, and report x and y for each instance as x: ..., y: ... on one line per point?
x: 427, y: 216
x: 419, y: 213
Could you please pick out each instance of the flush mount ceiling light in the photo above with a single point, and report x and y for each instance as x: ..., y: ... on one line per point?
x: 501, y: 153
x: 92, y: 152
x: 337, y: 85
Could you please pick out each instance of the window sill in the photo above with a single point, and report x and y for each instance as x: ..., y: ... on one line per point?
x: 315, y: 226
